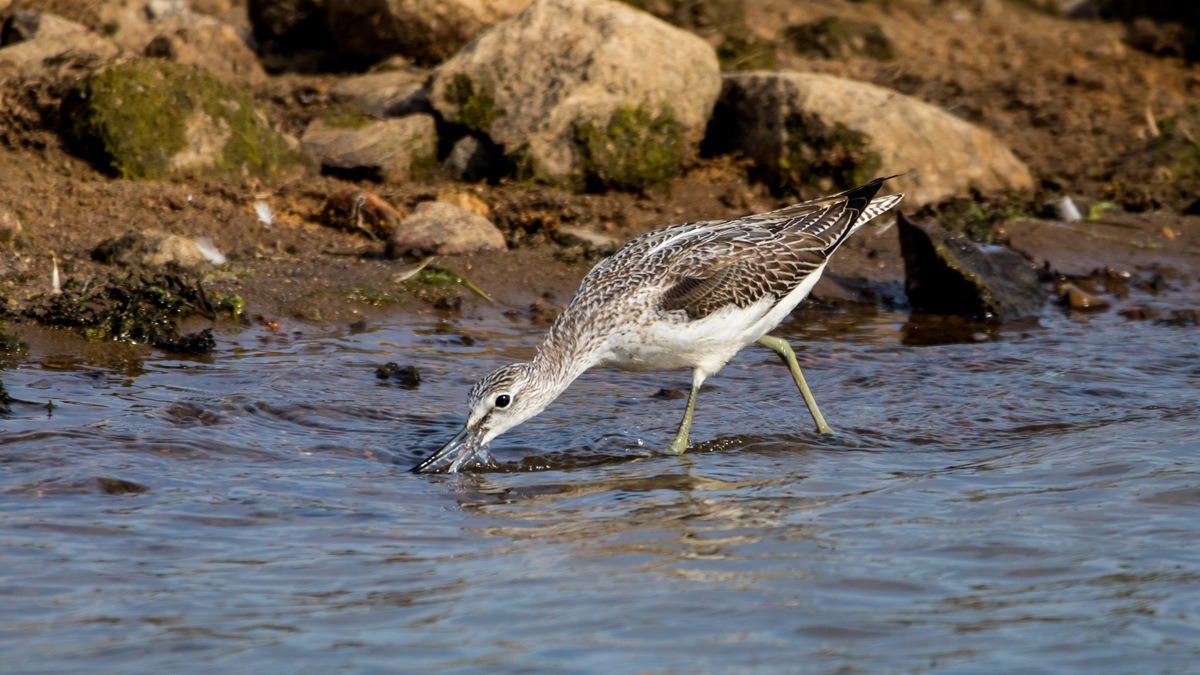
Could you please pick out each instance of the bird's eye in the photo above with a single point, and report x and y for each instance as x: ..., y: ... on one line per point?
x: 503, y: 400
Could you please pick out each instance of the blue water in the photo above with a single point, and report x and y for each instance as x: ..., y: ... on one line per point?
x: 1025, y: 503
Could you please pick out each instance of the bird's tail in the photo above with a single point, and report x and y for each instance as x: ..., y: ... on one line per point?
x: 861, y: 207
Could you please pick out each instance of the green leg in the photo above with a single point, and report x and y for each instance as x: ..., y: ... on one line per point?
x: 784, y: 350
x: 679, y: 445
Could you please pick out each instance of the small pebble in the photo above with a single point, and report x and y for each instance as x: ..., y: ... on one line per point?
x: 1078, y: 300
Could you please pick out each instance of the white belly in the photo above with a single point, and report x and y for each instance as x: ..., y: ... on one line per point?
x: 668, y: 342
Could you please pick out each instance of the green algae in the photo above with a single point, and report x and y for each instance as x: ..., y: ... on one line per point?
x: 132, y: 120
x: 637, y: 150
x: 818, y: 152
x: 475, y: 110
x: 135, y: 309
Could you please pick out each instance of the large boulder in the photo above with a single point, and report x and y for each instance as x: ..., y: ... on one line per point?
x: 947, y: 273
x: 569, y: 91
x: 428, y: 31
x: 813, y: 134
x: 152, y: 118
x: 390, y: 151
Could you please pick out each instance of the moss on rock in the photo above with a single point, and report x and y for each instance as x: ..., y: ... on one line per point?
x: 347, y: 118
x: 134, y: 309
x: 151, y: 118
x: 636, y: 150
x: 821, y: 156
x: 476, y: 110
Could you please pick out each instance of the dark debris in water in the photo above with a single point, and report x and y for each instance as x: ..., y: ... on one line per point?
x: 5, y: 401
x: 138, y: 309
x: 117, y: 486
x: 405, y: 376
x: 1181, y: 318
x: 202, y: 342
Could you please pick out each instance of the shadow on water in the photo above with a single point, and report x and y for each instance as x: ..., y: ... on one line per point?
x: 1021, y: 502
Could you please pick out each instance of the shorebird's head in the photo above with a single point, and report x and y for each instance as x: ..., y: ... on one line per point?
x: 498, y: 403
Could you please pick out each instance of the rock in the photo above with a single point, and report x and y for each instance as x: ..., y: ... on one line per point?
x: 837, y: 37
x: 152, y: 249
x: 358, y: 210
x: 472, y: 159
x: 428, y: 31
x: 195, y: 40
x: 390, y: 151
x: 946, y: 273
x: 150, y: 118
x: 28, y: 24
x: 1076, y: 299
x: 437, y: 228
x: 29, y: 58
x: 388, y: 94
x: 10, y: 229
x: 814, y: 134
x: 590, y: 241
x: 566, y: 91
x: 464, y: 200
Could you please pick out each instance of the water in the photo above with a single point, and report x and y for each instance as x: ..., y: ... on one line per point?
x: 1026, y: 503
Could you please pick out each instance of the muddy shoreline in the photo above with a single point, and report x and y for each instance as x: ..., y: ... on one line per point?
x: 1072, y: 99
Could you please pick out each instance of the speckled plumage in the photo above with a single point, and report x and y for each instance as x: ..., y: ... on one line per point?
x: 688, y: 295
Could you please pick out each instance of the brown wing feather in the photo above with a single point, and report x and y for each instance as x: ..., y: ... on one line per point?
x: 769, y: 254
x: 741, y: 282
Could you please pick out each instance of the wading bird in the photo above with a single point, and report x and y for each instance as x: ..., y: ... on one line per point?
x: 685, y: 296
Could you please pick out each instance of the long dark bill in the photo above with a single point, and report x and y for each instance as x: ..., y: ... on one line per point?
x: 462, y: 450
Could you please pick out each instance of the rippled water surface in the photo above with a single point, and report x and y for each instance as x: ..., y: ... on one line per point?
x: 1028, y: 503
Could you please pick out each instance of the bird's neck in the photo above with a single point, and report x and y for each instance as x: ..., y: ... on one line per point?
x: 568, y: 351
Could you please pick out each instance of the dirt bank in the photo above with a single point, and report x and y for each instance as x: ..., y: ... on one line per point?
x: 1069, y: 97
